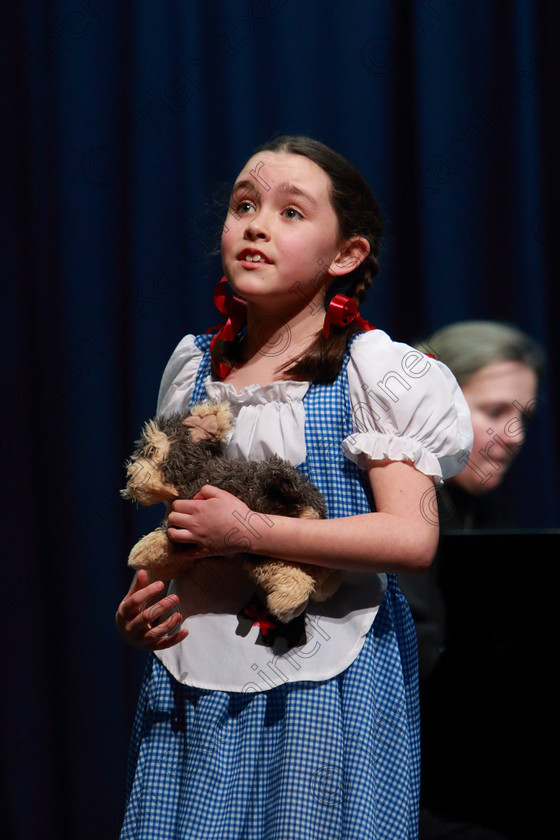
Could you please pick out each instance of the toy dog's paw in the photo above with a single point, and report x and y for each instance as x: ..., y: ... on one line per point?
x: 286, y: 606
x: 327, y: 581
x: 208, y: 421
x: 310, y: 512
x: 288, y: 587
x: 156, y: 554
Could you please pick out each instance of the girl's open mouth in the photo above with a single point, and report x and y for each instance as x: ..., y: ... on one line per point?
x: 251, y: 255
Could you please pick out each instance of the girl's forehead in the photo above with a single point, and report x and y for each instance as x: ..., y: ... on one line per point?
x: 271, y: 168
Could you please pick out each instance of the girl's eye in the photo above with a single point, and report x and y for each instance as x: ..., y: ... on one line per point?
x: 243, y: 207
x: 292, y: 213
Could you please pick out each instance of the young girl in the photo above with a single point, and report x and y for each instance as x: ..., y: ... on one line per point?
x: 247, y: 729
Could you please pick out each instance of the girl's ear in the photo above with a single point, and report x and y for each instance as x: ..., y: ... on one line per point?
x: 349, y: 257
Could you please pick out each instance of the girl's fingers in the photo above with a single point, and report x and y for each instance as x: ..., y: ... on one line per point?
x: 171, y: 640
x: 151, y: 623
x: 140, y: 581
x: 170, y: 624
x: 152, y: 612
x: 142, y: 621
x: 160, y: 635
x: 153, y: 619
x: 137, y: 598
x: 178, y: 534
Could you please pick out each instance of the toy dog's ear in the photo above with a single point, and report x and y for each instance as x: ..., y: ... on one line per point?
x: 208, y: 421
x: 145, y: 480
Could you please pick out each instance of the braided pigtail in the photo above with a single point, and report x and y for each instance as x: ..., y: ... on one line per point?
x: 323, y: 359
x: 358, y: 215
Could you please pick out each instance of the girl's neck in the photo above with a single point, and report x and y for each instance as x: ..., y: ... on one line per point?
x: 282, y: 334
x: 271, y: 341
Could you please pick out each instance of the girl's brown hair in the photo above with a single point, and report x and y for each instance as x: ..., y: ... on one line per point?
x: 358, y: 214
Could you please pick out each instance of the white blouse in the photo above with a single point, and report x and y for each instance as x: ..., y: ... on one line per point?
x: 406, y: 407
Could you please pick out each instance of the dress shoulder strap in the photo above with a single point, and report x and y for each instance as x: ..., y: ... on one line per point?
x: 204, y: 368
x: 328, y: 421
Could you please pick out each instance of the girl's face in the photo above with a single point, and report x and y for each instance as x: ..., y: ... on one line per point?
x: 497, y: 396
x: 281, y: 235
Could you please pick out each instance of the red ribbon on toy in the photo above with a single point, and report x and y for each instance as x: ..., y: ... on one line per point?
x: 235, y: 308
x: 341, y: 312
x: 259, y: 617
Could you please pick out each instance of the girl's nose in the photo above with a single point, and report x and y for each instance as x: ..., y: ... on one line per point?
x: 256, y: 228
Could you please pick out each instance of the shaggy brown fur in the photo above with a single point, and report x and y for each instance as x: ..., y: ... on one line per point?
x: 177, y: 455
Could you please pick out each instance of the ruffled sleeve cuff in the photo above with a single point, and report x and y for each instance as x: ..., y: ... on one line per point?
x: 406, y: 407
x: 381, y: 447
x: 179, y: 376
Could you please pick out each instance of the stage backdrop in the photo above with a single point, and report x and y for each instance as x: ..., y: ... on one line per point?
x: 123, y: 125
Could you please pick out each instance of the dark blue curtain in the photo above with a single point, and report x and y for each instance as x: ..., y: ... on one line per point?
x: 122, y: 123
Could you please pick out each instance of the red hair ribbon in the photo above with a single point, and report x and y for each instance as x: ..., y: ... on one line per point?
x: 341, y: 312
x: 260, y: 617
x: 235, y: 308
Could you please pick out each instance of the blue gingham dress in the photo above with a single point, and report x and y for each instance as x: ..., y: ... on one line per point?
x: 330, y: 760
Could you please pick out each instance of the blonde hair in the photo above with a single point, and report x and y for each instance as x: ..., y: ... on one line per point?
x: 468, y: 346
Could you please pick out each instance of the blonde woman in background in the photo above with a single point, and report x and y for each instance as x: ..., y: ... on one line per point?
x: 498, y: 368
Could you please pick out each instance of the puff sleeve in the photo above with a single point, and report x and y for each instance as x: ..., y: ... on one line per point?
x: 179, y: 376
x: 406, y: 406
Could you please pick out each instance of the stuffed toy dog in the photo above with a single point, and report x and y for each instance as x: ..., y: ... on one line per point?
x: 177, y: 455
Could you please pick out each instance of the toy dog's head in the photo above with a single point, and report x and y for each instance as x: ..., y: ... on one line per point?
x: 171, y: 449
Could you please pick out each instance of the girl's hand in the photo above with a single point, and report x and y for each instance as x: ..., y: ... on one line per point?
x: 139, y: 611
x: 217, y: 522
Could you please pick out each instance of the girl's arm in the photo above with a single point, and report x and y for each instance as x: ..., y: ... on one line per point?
x: 401, y: 535
x: 138, y: 615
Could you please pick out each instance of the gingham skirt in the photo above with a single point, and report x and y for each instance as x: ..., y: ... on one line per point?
x: 333, y: 760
